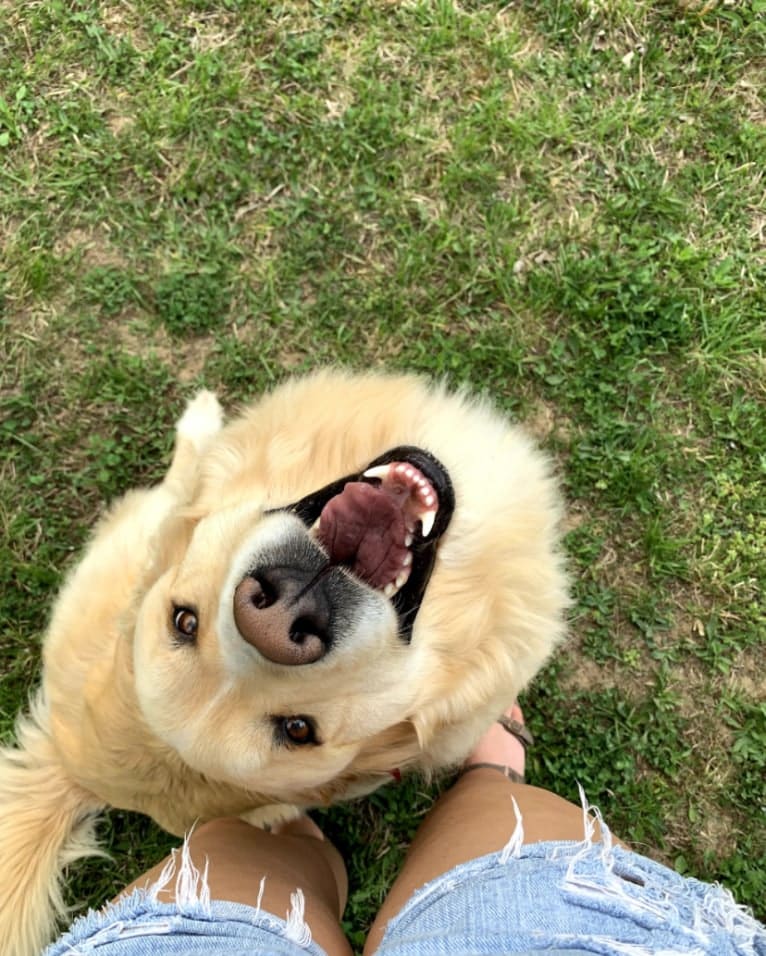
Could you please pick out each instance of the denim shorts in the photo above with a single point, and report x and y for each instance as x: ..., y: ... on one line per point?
x: 555, y: 897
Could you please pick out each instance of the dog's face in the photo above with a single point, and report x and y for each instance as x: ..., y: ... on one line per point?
x: 366, y: 574
x: 277, y: 645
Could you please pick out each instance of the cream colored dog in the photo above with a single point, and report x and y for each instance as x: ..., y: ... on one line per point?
x: 352, y: 578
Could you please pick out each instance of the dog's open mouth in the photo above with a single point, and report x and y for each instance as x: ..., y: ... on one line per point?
x: 370, y: 526
x: 384, y: 524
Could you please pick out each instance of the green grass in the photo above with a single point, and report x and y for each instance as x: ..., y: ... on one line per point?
x: 560, y: 204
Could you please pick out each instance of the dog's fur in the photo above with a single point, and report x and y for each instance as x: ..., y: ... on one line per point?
x: 126, y: 717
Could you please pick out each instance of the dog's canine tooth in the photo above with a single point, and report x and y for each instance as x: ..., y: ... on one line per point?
x: 427, y: 519
x: 389, y: 589
x: 379, y: 471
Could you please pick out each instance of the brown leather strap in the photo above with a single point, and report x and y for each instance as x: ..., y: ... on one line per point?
x: 523, y: 736
x: 513, y: 775
x: 518, y: 730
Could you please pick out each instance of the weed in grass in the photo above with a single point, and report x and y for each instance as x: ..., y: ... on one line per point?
x: 112, y: 289
x: 188, y: 302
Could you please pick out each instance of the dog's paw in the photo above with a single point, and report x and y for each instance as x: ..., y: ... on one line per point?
x: 202, y: 420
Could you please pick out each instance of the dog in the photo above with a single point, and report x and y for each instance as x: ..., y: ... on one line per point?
x: 349, y: 580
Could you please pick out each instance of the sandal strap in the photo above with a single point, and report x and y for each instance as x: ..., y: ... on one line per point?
x: 518, y: 730
x: 524, y: 737
x: 513, y: 775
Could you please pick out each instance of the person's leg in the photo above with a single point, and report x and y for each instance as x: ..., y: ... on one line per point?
x: 476, y: 817
x: 237, y: 856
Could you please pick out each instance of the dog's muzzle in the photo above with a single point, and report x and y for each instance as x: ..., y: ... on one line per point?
x: 379, y: 529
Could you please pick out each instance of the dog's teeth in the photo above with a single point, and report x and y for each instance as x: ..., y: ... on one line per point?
x: 379, y: 471
x: 401, y: 579
x: 408, y: 542
x: 407, y: 559
x: 427, y: 519
x: 389, y: 589
x: 426, y: 494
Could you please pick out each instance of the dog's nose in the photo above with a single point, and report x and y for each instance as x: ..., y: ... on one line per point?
x: 285, y: 614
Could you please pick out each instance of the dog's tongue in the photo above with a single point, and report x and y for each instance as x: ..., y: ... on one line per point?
x: 364, y: 529
x: 369, y: 527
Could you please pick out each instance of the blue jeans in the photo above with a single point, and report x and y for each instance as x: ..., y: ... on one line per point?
x: 552, y: 897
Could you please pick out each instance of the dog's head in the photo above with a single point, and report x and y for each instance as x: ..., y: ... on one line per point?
x: 299, y: 630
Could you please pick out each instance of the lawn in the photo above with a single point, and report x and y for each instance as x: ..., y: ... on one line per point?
x: 560, y: 204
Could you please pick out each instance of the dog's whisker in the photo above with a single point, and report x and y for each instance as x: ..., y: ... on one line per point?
x: 321, y: 573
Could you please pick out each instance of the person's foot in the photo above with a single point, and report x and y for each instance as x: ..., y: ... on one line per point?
x: 503, y: 746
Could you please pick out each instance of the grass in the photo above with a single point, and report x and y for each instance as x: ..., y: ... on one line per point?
x: 560, y: 204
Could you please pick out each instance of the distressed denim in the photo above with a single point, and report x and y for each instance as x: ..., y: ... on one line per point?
x: 194, y: 925
x: 554, y: 897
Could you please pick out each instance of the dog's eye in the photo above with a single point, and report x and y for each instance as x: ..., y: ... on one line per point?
x: 298, y: 730
x: 185, y: 623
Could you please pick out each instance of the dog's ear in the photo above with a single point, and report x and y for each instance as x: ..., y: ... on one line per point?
x: 168, y: 544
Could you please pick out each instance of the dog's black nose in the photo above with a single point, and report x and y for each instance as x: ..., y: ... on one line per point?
x: 285, y: 614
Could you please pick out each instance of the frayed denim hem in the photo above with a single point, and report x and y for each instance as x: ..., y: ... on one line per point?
x: 587, y: 897
x: 554, y: 897
x: 140, y: 925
